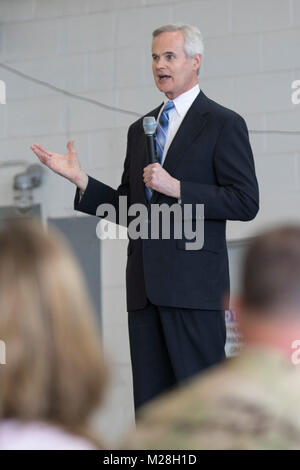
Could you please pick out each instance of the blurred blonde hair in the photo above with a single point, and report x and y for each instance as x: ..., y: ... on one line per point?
x: 54, y: 370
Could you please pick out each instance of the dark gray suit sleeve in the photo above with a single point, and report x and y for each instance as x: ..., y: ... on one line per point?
x: 236, y: 197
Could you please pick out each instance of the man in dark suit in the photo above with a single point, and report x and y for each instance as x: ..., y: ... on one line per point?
x: 175, y: 295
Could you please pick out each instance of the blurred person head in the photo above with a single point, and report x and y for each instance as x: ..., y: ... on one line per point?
x: 269, y: 304
x: 54, y: 369
x: 177, y: 51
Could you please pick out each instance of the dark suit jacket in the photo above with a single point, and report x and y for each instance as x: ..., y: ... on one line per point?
x: 211, y: 156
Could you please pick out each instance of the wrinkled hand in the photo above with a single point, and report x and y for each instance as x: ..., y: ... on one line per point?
x: 66, y: 165
x: 158, y: 179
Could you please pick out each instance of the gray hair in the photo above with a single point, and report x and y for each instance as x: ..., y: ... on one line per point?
x: 193, y: 39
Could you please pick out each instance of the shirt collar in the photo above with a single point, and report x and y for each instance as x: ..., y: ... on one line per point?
x: 184, y: 101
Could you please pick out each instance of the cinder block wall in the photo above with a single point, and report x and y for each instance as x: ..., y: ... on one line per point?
x: 101, y: 49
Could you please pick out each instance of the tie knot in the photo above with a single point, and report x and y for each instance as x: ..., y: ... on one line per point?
x: 168, y: 106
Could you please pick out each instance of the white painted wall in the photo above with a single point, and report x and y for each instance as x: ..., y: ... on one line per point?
x: 101, y: 49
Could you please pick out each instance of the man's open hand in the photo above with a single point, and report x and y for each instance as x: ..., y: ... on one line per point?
x: 66, y: 165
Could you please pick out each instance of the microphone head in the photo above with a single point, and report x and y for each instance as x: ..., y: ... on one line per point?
x: 149, y: 125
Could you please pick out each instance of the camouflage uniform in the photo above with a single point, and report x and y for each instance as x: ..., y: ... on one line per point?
x: 250, y: 402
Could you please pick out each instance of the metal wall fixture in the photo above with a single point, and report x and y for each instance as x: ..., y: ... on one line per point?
x: 24, y: 183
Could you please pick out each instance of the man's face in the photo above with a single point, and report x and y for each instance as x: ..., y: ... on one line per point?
x: 174, y: 72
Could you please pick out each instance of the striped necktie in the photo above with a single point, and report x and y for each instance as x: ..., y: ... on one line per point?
x: 161, y: 136
x: 162, y: 129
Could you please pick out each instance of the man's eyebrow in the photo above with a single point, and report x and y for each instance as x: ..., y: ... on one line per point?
x: 164, y: 53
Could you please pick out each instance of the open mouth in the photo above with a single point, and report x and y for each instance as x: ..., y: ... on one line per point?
x: 164, y: 78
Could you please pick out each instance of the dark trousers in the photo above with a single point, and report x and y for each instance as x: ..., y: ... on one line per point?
x: 169, y: 345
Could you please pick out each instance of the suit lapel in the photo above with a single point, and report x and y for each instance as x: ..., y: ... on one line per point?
x: 188, y: 131
x: 190, y: 128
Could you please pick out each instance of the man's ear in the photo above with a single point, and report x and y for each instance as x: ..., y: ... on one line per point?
x: 197, y: 59
x: 237, y: 305
x: 226, y: 300
x: 244, y: 320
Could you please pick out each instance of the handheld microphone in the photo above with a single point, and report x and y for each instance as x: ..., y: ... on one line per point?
x: 149, y: 125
